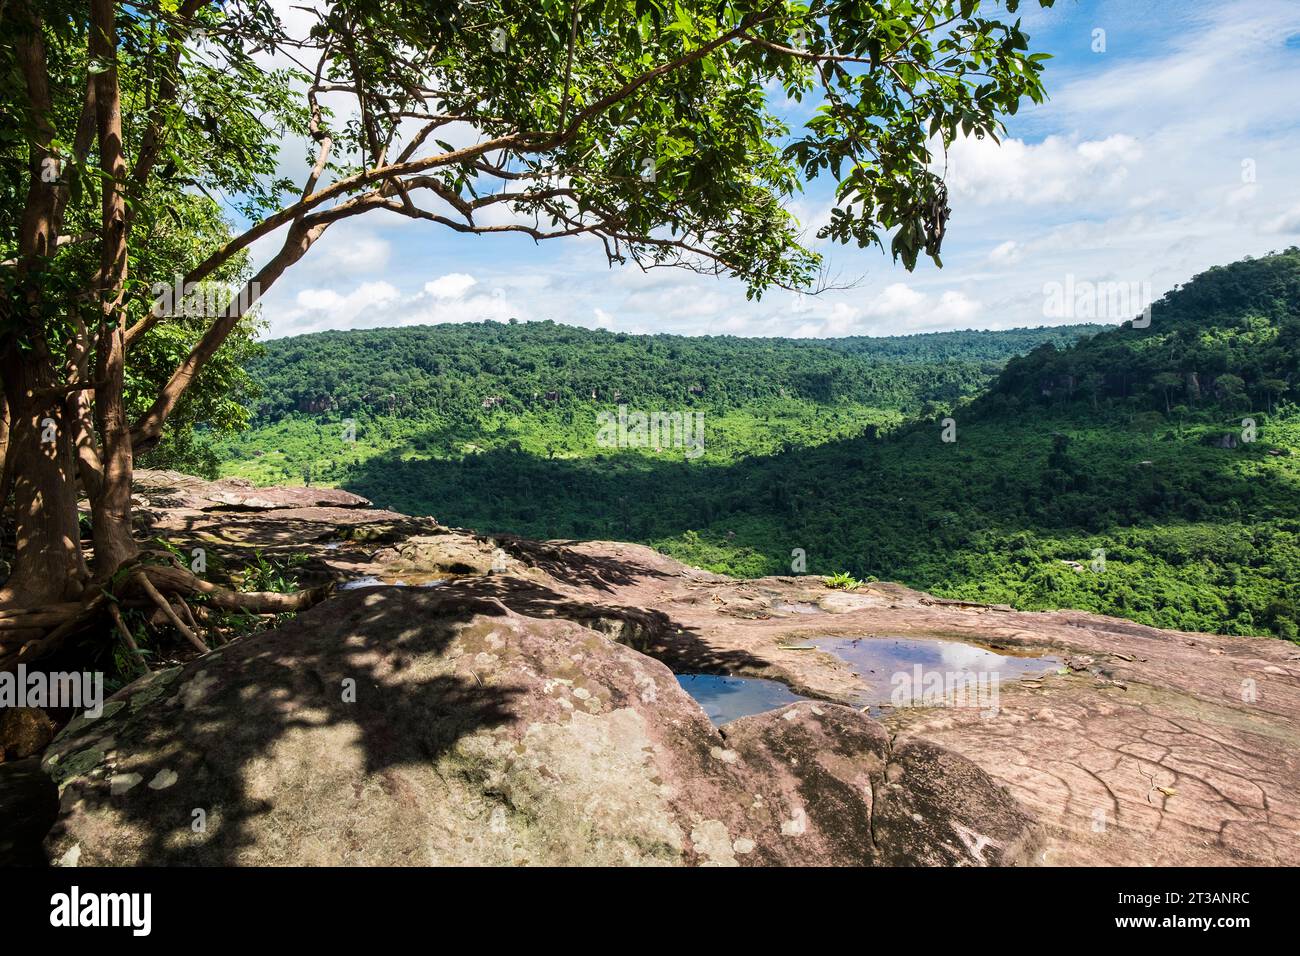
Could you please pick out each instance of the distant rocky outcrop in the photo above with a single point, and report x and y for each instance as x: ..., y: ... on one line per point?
x: 1222, y: 440
x: 173, y: 490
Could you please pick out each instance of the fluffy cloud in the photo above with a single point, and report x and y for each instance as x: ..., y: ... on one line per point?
x: 454, y: 285
x: 901, y: 307
x: 1057, y: 170
x: 362, y: 254
x: 447, y: 298
x: 341, y: 310
x: 896, y: 308
x: 1007, y: 253
x: 1287, y: 224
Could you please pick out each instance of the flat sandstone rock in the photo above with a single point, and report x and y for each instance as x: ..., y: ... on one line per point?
x: 404, y: 726
x: 521, y: 711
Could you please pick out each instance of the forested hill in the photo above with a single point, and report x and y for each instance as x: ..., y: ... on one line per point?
x: 1151, y: 473
x: 458, y: 369
x: 1229, y: 339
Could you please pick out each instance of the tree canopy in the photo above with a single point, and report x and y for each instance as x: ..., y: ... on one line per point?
x: 1174, y: 449
x: 130, y: 131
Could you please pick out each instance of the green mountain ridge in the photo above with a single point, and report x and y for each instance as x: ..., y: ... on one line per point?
x: 1142, y: 472
x: 441, y: 368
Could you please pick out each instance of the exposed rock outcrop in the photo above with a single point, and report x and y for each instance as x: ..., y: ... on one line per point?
x: 1150, y: 747
x: 172, y: 489
x: 867, y: 801
x: 404, y: 726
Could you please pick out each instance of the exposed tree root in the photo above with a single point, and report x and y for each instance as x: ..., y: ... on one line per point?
x: 165, y: 606
x: 127, y: 637
x: 28, y: 634
x: 18, y: 619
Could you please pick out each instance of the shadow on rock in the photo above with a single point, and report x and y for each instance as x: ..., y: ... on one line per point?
x: 189, y: 759
x: 647, y: 630
x: 405, y: 726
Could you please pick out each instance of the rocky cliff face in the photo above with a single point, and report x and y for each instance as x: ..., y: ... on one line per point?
x: 514, y: 701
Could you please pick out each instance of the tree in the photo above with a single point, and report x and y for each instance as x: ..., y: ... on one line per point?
x: 1094, y: 384
x: 1231, y: 390
x: 643, y: 123
x: 1274, y: 388
x: 1166, y: 383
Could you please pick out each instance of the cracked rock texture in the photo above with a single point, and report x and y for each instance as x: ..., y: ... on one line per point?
x: 514, y: 707
x: 405, y: 726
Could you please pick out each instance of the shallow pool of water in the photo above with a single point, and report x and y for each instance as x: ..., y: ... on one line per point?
x: 898, y: 670
x: 415, y: 580
x: 727, y: 698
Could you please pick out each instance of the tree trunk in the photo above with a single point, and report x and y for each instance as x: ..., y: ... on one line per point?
x: 6, y: 460
x: 48, y: 563
x: 111, y: 508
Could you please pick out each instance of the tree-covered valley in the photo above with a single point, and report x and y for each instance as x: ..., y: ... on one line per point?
x: 1145, y: 472
x: 375, y: 491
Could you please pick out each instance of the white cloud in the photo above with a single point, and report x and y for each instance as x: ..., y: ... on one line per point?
x: 361, y: 254
x: 454, y: 285
x: 904, y: 308
x: 1057, y: 170
x: 898, y: 307
x: 374, y: 304
x: 318, y: 299
x: 1287, y: 224
x: 1007, y: 253
x: 318, y: 309
x: 492, y: 306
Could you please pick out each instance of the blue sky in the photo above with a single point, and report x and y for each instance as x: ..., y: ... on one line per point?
x: 1174, y: 150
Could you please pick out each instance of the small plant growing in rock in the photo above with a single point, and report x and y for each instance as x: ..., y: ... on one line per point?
x: 843, y: 581
x: 271, y: 574
x: 264, y: 575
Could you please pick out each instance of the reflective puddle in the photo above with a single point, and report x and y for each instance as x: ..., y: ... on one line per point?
x: 903, y: 671
x: 413, y: 580
x: 896, y: 672
x: 727, y: 698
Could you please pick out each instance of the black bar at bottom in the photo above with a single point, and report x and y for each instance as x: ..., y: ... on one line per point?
x: 578, y: 907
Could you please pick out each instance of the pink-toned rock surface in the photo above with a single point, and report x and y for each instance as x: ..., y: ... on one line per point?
x: 866, y: 800
x: 1164, y: 748
x: 175, y: 490
x: 1152, y: 747
x: 233, y: 515
x: 405, y: 726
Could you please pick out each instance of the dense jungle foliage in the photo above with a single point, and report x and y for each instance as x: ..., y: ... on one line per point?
x: 1149, y: 473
